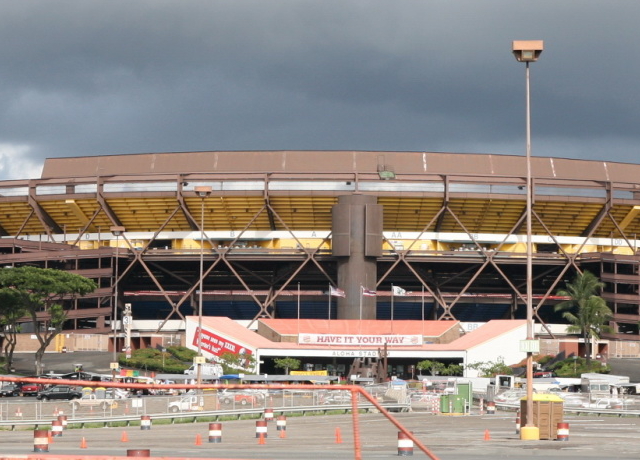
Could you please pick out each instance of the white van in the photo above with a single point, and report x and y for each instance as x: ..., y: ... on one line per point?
x: 209, y: 371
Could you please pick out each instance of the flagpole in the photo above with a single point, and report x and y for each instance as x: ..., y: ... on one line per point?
x: 423, y: 312
x: 392, y: 292
x: 360, y: 323
x: 298, y: 311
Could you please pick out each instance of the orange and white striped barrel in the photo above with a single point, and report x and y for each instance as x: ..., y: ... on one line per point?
x: 145, y: 422
x: 215, y: 432
x: 281, y: 423
x: 563, y: 431
x: 491, y: 408
x: 405, y: 445
x: 40, y: 441
x: 268, y: 415
x: 518, y: 422
x: 56, y: 428
x: 261, y: 428
x: 63, y: 420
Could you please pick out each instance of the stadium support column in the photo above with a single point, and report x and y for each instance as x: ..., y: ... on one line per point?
x: 357, y: 243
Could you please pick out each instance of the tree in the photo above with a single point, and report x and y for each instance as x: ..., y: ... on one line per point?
x: 232, y: 363
x: 42, y: 293
x: 491, y: 368
x: 435, y: 367
x: 586, y: 311
x: 287, y: 363
x: 11, y: 311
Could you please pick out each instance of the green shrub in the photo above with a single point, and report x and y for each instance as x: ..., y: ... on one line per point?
x: 182, y: 353
x: 150, y: 359
x: 574, y: 367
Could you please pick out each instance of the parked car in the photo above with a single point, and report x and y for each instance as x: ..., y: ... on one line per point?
x: 9, y: 389
x: 29, y: 389
x: 59, y: 392
x: 337, y: 397
x: 543, y: 374
x: 242, y: 398
x: 605, y: 403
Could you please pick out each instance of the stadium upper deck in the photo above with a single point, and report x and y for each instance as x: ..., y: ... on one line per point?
x: 447, y: 228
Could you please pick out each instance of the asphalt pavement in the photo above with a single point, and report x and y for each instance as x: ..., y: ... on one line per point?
x: 333, y: 436
x: 63, y: 363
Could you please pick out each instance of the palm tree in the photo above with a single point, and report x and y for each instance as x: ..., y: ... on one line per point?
x: 585, y: 310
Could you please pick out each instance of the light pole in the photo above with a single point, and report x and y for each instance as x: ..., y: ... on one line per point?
x: 116, y: 231
x: 202, y: 192
x: 528, y: 51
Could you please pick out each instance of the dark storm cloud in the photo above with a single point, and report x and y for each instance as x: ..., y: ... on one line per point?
x: 89, y: 77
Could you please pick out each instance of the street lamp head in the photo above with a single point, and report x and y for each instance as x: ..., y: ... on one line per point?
x: 117, y: 230
x: 202, y: 191
x: 527, y: 50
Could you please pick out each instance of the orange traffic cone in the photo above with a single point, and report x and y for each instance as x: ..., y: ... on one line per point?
x: 338, y: 436
x: 198, y: 440
x: 124, y: 437
x: 283, y: 434
x: 487, y: 435
x: 83, y: 443
x: 261, y: 440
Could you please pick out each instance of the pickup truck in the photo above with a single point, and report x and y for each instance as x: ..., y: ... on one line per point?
x: 90, y: 401
x: 242, y: 398
x: 102, y: 399
x: 187, y: 404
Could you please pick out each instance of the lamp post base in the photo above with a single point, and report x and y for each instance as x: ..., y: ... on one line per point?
x: 530, y: 433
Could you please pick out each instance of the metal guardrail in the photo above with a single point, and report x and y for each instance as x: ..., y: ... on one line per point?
x: 200, y: 414
x: 581, y: 410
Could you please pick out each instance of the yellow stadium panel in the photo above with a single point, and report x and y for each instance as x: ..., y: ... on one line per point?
x: 67, y: 216
x: 13, y: 216
x: 608, y: 229
x: 148, y: 214
x: 303, y: 213
x: 222, y: 213
x: 564, y: 218
x: 410, y: 213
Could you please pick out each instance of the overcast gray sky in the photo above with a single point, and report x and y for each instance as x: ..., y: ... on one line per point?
x: 89, y: 77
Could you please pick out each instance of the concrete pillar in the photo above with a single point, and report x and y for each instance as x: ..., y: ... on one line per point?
x: 357, y: 243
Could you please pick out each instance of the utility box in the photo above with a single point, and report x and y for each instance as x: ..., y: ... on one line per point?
x: 465, y: 389
x: 452, y: 404
x: 548, y: 411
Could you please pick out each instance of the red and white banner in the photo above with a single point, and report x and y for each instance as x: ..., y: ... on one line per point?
x: 216, y: 345
x: 360, y: 340
x: 369, y: 292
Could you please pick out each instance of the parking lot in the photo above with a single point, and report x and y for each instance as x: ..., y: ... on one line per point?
x: 448, y: 437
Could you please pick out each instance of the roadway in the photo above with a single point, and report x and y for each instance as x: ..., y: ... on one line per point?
x: 448, y: 437
x: 98, y: 361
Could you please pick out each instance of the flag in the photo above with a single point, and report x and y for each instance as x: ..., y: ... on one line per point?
x: 368, y: 292
x: 398, y: 291
x: 336, y: 292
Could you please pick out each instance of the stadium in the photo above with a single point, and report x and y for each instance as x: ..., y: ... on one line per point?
x: 346, y: 235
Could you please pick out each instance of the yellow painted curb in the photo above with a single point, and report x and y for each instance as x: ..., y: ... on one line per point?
x: 530, y: 433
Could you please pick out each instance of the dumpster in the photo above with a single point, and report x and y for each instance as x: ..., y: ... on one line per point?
x: 465, y: 389
x: 452, y: 404
x: 548, y: 411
